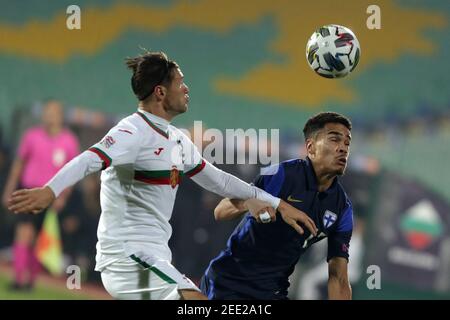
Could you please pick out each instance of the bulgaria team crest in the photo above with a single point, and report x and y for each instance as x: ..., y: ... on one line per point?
x: 174, y: 177
x: 329, y: 218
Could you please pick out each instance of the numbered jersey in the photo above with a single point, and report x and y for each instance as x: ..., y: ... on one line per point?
x: 144, y: 161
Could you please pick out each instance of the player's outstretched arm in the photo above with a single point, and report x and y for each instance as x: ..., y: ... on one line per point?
x: 338, y: 285
x: 229, y: 186
x: 231, y: 208
x: 228, y: 209
x: 37, y: 199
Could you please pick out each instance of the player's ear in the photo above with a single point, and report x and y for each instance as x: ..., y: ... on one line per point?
x: 160, y: 92
x: 310, y: 146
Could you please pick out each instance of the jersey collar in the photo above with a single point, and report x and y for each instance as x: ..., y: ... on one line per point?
x: 155, y: 121
x: 311, y: 179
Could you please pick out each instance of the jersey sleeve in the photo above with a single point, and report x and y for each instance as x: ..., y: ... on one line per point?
x: 193, y: 160
x: 339, y: 240
x: 271, y: 179
x: 73, y: 171
x: 226, y: 185
x: 119, y: 146
x: 220, y: 182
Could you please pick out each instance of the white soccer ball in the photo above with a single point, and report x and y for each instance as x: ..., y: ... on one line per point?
x: 333, y: 51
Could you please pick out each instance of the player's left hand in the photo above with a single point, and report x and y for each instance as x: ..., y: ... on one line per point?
x: 296, y: 218
x: 31, y: 200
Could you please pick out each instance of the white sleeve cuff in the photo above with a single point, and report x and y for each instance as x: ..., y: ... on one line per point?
x: 267, y: 197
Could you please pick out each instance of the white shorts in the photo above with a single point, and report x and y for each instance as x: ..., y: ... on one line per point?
x: 144, y: 277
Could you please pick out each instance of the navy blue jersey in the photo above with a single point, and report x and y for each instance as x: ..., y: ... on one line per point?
x: 259, y: 258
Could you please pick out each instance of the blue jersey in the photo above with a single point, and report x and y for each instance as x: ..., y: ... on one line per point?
x: 259, y: 258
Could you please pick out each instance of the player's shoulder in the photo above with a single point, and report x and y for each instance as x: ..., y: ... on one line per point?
x: 130, y: 124
x: 282, y: 167
x: 293, y: 166
x: 295, y: 163
x: 127, y: 130
x: 273, y: 168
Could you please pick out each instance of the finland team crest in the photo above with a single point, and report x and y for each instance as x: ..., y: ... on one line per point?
x: 329, y: 218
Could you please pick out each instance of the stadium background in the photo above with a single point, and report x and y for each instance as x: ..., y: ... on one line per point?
x: 245, y: 64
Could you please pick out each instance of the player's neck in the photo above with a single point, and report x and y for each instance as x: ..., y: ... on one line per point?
x: 156, y: 109
x: 324, y: 179
x: 324, y: 182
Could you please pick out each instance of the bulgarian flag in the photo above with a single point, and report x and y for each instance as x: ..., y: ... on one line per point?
x: 48, y: 245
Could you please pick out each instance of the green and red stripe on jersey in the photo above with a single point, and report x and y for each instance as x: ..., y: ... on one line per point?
x: 157, y: 176
x: 151, y: 124
x: 196, y: 169
x: 105, y: 158
x: 170, y: 177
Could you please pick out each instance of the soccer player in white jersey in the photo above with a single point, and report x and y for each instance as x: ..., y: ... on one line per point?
x: 143, y: 159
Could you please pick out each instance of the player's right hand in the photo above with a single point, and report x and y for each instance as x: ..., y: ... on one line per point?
x: 31, y: 200
x: 295, y: 217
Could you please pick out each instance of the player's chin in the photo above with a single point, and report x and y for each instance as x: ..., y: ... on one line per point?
x: 182, y: 109
x: 340, y: 170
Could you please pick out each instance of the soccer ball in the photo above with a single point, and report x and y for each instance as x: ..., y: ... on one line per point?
x: 333, y: 51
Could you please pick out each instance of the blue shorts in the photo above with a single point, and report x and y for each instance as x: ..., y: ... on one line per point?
x: 215, y: 291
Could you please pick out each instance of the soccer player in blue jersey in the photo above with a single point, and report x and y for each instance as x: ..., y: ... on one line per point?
x: 260, y: 257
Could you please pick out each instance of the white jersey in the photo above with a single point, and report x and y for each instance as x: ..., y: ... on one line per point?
x: 144, y: 158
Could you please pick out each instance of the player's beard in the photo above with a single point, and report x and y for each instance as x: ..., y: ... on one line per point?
x: 176, y: 108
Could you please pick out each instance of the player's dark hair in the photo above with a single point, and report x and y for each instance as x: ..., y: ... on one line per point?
x: 150, y: 70
x: 319, y: 121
